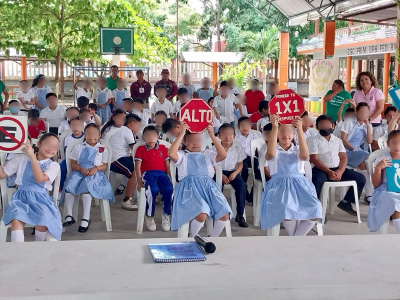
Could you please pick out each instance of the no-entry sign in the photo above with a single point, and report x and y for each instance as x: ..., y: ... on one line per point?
x: 286, y: 105
x: 197, y: 114
x: 13, y: 133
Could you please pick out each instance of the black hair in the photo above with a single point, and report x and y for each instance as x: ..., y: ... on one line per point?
x: 267, y: 127
x: 392, y: 134
x: 223, y: 83
x: 225, y: 126
x: 127, y: 99
x: 209, y: 100
x: 305, y: 113
x: 139, y: 71
x: 50, y: 95
x: 73, y: 107
x: 110, y: 122
x: 82, y: 101
x: 114, y: 66
x: 13, y: 101
x: 339, y: 83
x: 47, y: 135
x: 93, y: 106
x: 182, y: 90
x: 139, y: 100
x: 360, y: 105
x: 350, y: 109
x: 323, y: 118
x: 91, y: 125
x: 150, y: 128
x: 33, y: 113
x: 389, y: 109
x: 161, y: 87
x: 36, y: 80
x: 132, y: 118
x: 263, y: 105
x: 243, y: 119
x: 23, y: 80
x: 161, y: 112
x: 169, y: 124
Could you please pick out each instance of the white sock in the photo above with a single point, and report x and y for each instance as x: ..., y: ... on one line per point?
x: 124, y: 180
x: 290, y: 226
x: 69, y: 204
x: 396, y: 223
x: 218, y: 227
x: 40, y: 236
x: 304, y: 227
x: 195, y: 227
x: 17, y: 236
x: 87, y: 204
x: 368, y: 185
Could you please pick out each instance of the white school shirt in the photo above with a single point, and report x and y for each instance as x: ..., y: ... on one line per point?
x: 338, y: 129
x: 121, y: 142
x: 35, y: 89
x: 166, y: 106
x: 309, y: 133
x: 80, y: 91
x: 264, y: 121
x: 54, y: 117
x: 176, y: 107
x: 225, y: 106
x: 262, y: 153
x: 69, y: 138
x: 244, y: 110
x: 381, y: 131
x: 245, y: 141
x: 378, y: 160
x: 273, y: 163
x: 191, y: 89
x: 127, y: 93
x: 145, y: 116
x: 101, y: 157
x: 106, y: 90
x: 181, y: 164
x: 26, y: 97
x: 64, y: 126
x: 234, y: 155
x: 18, y: 164
x: 349, y: 125
x: 21, y: 113
x: 328, y: 151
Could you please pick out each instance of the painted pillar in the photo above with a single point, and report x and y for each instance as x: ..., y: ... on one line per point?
x: 23, y: 69
x: 316, y: 26
x: 214, y: 73
x: 329, y: 39
x: 386, y: 70
x: 397, y: 64
x: 284, y: 61
x: 122, y: 73
x: 348, y: 74
x: 359, y: 64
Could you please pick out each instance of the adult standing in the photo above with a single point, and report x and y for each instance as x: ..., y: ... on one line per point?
x: 40, y: 89
x: 170, y: 85
x: 187, y: 84
x: 112, y: 81
x: 368, y: 92
x: 3, y: 90
x: 140, y: 88
x: 254, y: 95
x: 334, y: 99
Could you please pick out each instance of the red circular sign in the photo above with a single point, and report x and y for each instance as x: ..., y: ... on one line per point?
x: 197, y: 114
x: 18, y: 142
x: 286, y: 105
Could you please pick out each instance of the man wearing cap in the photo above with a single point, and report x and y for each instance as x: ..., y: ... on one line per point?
x: 141, y: 88
x: 170, y: 85
x: 254, y: 95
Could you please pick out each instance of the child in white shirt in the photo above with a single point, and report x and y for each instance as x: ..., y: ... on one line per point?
x: 15, y: 108
x: 54, y: 113
x: 85, y: 90
x: 143, y: 113
x: 120, y: 93
x: 183, y: 98
x: 225, y: 102
x: 71, y: 113
x: 382, y: 130
x: 25, y: 96
x: 162, y: 103
x: 307, y: 122
x: 103, y: 97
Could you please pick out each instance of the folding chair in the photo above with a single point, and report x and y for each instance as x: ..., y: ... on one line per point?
x: 62, y: 142
x: 382, y: 142
x: 258, y: 185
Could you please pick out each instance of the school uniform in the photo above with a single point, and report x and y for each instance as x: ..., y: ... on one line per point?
x: 154, y: 177
x: 119, y: 95
x: 26, y: 98
x: 54, y: 117
x: 356, y: 134
x: 381, y: 130
x: 264, y: 121
x: 80, y: 91
x: 63, y: 165
x: 307, y: 134
x: 40, y: 95
x: 205, y: 94
x: 196, y: 191
x: 383, y: 203
x: 64, y: 126
x: 101, y: 97
x: 289, y: 194
x: 122, y: 141
x: 145, y: 116
x: 31, y: 204
x: 190, y: 89
x: 262, y: 153
x: 225, y: 106
x: 166, y: 106
x: 176, y: 107
x: 328, y: 154
x: 338, y: 129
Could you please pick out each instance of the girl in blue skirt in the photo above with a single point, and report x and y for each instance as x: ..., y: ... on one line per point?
x: 88, y: 163
x: 289, y: 196
x: 103, y: 97
x: 197, y: 195
x: 385, y: 204
x: 31, y: 204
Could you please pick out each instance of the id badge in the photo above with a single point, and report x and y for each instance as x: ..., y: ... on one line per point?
x: 141, y: 90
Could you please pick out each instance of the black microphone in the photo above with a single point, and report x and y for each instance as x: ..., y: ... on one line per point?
x: 208, y: 246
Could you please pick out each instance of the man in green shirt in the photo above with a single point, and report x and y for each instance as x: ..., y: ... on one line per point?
x: 3, y: 90
x: 334, y: 99
x: 112, y: 79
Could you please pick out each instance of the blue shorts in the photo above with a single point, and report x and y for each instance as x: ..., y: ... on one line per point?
x: 124, y: 166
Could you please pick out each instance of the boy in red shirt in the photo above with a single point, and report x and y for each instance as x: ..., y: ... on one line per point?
x: 263, y: 112
x: 152, y: 169
x: 254, y: 96
x: 35, y: 126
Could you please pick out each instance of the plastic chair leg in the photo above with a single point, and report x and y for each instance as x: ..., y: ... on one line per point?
x: 324, y: 201
x: 332, y: 197
x: 357, y: 202
x: 183, y: 231
x: 107, y: 214
x: 141, y: 211
x: 113, y: 179
x: 274, y: 231
x: 233, y: 201
x: 210, y: 225
x: 384, y: 229
x: 228, y: 229
x: 96, y: 202
x: 320, y: 228
x: 3, y: 232
x: 103, y: 217
x: 50, y: 238
x: 257, y: 206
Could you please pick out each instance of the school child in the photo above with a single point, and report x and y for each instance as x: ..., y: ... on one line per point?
x: 183, y: 98
x: 31, y: 204
x: 197, y: 195
x: 224, y: 103
x: 171, y: 128
x: 93, y: 113
x: 307, y: 122
x: 262, y: 113
x: 385, y: 204
x: 120, y: 93
x: 127, y: 105
x: 161, y: 103
x: 211, y: 103
x: 328, y: 155
x: 35, y: 126
x: 15, y: 108
x: 25, y: 96
x: 152, y: 172
x: 349, y: 114
x: 289, y: 196
x: 40, y: 89
x: 187, y: 84
x: 85, y: 90
x: 88, y: 164
x: 267, y: 129
x: 82, y: 102
x: 232, y: 165
x: 103, y: 97
x: 160, y: 118
x: 54, y: 113
x: 143, y: 113
x: 71, y: 113
x: 117, y: 120
x: 245, y: 136
x: 85, y: 116
x: 355, y: 132
x: 205, y: 92
x: 240, y: 108
x: 382, y: 130
x: 122, y: 142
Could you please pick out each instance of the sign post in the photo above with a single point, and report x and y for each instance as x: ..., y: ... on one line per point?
x: 287, y: 105
x: 13, y: 133
x: 197, y: 115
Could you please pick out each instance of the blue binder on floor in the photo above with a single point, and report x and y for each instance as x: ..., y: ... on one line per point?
x: 176, y: 252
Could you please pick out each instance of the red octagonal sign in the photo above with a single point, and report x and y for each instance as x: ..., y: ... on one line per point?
x: 197, y: 114
x: 286, y: 105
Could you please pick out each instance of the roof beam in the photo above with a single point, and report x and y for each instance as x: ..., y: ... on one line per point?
x: 323, y: 7
x: 363, y: 21
x: 371, y: 10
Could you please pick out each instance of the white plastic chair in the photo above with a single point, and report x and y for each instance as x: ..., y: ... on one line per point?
x: 62, y: 142
x: 236, y: 121
x: 223, y: 120
x: 113, y: 175
x: 258, y: 186
x: 258, y: 126
x: 7, y: 113
x: 47, y: 126
x: 382, y: 142
x: 6, y: 192
x: 370, y: 166
x: 104, y: 204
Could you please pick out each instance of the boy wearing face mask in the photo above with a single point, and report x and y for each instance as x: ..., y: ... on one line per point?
x: 328, y: 155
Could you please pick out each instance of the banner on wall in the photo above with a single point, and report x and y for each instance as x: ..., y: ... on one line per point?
x: 322, y: 74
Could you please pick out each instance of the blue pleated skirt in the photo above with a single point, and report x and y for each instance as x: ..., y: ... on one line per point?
x: 355, y: 158
x: 382, y: 206
x: 289, y: 196
x: 34, y: 208
x: 194, y: 195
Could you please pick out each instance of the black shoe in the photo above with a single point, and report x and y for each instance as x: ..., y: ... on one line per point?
x: 120, y: 189
x: 69, y: 223
x: 326, y: 220
x: 346, y: 206
x: 84, y: 229
x: 367, y: 199
x: 241, y: 221
x: 249, y: 196
x: 33, y: 230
